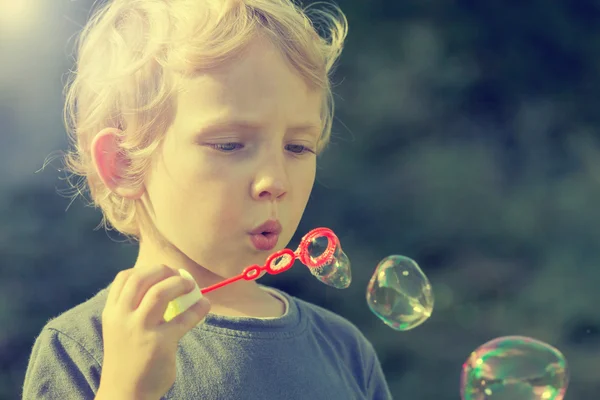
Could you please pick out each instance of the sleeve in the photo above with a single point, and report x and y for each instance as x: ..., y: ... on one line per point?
x: 377, y: 388
x: 60, y: 368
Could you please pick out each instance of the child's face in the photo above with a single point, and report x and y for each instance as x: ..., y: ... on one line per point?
x: 204, y: 201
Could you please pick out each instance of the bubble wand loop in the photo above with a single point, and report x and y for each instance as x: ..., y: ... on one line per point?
x: 283, y: 260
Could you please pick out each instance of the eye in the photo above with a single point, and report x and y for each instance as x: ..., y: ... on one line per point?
x: 299, y: 149
x: 225, y: 147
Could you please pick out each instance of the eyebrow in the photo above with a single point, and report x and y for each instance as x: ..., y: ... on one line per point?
x: 222, y: 126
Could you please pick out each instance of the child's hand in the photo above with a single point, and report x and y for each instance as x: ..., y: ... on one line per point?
x: 139, y: 346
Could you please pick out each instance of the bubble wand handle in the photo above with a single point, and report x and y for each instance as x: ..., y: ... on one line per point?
x: 283, y: 260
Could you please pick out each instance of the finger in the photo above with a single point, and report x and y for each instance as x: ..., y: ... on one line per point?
x: 154, y: 303
x: 190, y: 318
x: 140, y: 282
x: 116, y: 287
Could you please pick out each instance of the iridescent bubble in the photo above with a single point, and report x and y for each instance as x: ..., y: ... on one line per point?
x: 336, y: 270
x: 514, y: 368
x: 399, y: 293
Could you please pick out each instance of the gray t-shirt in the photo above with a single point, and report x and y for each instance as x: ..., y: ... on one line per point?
x: 308, y: 353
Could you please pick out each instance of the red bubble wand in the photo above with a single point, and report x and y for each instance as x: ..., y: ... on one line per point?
x: 331, y: 267
x: 283, y: 260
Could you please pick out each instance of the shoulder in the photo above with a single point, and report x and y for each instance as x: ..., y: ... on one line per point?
x: 343, y: 337
x: 327, y: 319
x: 342, y: 332
x: 81, y: 325
x: 66, y: 358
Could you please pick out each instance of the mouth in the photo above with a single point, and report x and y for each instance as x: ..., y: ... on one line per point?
x: 265, y: 236
x: 264, y: 240
x: 268, y: 227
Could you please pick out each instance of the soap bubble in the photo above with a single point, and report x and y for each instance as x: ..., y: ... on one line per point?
x: 333, y: 264
x: 399, y: 293
x: 514, y: 368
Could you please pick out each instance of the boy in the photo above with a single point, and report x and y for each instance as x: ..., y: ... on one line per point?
x: 195, y: 122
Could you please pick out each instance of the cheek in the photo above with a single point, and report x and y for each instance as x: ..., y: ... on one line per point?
x: 308, y: 175
x: 303, y: 183
x: 217, y: 193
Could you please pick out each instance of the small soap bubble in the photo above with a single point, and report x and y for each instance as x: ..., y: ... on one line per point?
x: 336, y: 272
x: 514, y: 368
x: 399, y: 293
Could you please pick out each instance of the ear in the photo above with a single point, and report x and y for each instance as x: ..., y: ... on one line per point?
x: 110, y: 163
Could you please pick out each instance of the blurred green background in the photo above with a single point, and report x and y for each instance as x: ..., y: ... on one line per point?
x: 466, y: 137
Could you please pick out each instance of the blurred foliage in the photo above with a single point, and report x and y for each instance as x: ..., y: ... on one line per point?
x: 466, y: 138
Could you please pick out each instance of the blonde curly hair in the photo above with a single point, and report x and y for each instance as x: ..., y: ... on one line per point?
x: 130, y: 53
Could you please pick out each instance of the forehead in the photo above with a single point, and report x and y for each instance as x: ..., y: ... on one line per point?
x: 259, y: 85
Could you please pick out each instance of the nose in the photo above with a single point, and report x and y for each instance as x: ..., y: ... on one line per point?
x: 271, y: 182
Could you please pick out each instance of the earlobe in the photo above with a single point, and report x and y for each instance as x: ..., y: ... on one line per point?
x: 109, y: 163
